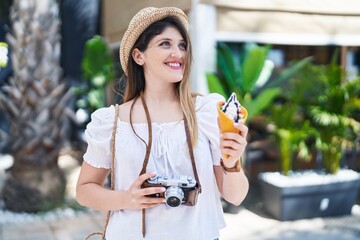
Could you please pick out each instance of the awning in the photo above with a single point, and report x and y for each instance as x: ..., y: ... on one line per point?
x: 117, y: 14
x: 301, y: 22
x: 288, y: 22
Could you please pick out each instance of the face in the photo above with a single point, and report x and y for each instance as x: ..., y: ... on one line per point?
x: 164, y: 59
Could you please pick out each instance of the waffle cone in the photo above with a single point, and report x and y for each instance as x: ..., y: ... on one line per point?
x: 226, y: 123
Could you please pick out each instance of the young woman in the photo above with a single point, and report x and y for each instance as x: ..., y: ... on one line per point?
x: 155, y: 54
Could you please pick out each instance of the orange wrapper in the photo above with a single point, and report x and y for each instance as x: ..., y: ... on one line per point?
x: 227, y: 124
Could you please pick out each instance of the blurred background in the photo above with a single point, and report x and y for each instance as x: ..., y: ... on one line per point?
x: 293, y: 64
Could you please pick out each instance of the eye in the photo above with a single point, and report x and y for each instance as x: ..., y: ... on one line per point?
x: 165, y: 44
x: 183, y: 46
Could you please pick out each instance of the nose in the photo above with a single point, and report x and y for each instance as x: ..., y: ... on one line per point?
x: 176, y: 52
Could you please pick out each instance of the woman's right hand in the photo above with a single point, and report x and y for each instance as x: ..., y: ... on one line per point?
x: 137, y: 197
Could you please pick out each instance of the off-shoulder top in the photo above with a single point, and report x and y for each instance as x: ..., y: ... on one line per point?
x: 169, y: 156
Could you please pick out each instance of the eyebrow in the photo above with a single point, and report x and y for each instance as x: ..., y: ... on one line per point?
x: 168, y: 39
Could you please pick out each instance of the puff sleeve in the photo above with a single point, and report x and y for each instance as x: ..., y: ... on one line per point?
x: 98, y: 137
x: 207, y: 118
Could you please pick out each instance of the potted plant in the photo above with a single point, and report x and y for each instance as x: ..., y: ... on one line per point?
x: 332, y: 113
x: 325, y: 109
x: 291, y: 132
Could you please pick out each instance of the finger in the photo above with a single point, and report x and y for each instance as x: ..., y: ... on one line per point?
x: 230, y: 145
x: 243, y: 128
x: 232, y: 153
x: 152, y: 190
x: 154, y: 200
x: 230, y: 136
x: 233, y: 148
x: 139, y: 181
x: 233, y: 143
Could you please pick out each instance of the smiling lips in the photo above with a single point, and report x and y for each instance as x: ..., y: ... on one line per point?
x: 174, y: 65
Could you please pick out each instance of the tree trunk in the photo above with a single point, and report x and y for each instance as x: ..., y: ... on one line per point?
x: 35, y: 101
x: 31, y: 188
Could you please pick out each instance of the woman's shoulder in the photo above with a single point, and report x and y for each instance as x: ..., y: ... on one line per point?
x: 204, y: 102
x: 99, y: 128
x: 103, y: 114
x: 124, y: 110
x: 108, y: 113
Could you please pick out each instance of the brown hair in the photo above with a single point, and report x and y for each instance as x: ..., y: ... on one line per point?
x: 136, y: 79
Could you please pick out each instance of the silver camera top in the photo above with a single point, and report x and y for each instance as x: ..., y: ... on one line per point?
x: 177, y: 180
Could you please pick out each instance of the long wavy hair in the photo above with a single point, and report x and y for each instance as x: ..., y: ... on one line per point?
x: 135, y: 82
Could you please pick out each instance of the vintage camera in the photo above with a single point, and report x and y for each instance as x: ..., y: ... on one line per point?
x: 179, y: 189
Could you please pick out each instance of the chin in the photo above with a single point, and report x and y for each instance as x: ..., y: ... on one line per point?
x: 177, y: 79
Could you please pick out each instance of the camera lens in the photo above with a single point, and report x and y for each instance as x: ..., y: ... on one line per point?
x: 174, y: 196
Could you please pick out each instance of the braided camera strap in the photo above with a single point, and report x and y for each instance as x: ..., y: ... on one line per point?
x: 112, y: 175
x: 148, y: 146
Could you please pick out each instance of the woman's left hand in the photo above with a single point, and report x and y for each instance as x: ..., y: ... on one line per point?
x: 233, y: 144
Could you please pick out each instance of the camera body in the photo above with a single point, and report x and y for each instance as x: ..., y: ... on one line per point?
x: 179, y: 189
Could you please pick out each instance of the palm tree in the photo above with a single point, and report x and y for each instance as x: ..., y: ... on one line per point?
x: 35, y: 102
x: 321, y: 105
x: 332, y: 111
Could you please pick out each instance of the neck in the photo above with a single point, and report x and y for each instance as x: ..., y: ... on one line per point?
x: 157, y: 95
x: 163, y: 105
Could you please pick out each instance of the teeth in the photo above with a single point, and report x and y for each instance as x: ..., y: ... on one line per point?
x: 174, y: 64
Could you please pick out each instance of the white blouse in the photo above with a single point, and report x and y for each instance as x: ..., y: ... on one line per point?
x: 169, y: 156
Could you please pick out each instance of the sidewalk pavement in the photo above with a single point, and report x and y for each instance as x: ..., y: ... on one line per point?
x: 243, y: 223
x: 247, y: 222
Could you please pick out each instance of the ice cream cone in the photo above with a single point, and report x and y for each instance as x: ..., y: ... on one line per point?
x: 226, y: 123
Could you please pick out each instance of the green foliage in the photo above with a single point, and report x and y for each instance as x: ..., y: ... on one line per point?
x: 320, y: 103
x: 214, y: 84
x: 291, y: 131
x: 3, y: 54
x: 252, y: 66
x: 246, y: 72
x: 331, y: 113
x: 98, y: 71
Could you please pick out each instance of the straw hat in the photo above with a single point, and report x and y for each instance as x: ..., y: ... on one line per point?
x: 143, y: 19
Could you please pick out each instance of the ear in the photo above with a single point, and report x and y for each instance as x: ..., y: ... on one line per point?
x: 137, y: 56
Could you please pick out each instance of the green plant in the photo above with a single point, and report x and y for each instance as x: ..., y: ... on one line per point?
x: 291, y: 131
x: 246, y: 72
x: 98, y: 71
x: 289, y: 125
x: 3, y: 54
x: 321, y: 103
x: 331, y: 109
